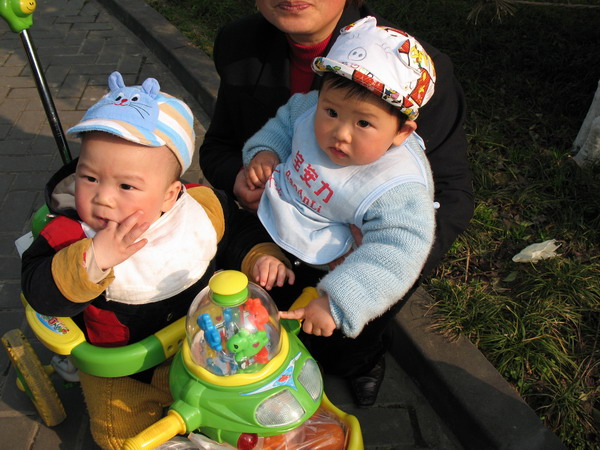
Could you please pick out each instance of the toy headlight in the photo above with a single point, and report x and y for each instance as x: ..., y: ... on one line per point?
x: 310, y: 378
x: 279, y: 410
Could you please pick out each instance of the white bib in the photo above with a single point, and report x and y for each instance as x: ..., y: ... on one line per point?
x: 309, y: 201
x: 181, y: 244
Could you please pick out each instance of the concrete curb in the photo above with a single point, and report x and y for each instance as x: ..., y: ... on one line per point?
x: 194, y: 69
x: 478, y: 405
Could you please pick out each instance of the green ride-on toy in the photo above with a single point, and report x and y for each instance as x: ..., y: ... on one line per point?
x: 239, y: 375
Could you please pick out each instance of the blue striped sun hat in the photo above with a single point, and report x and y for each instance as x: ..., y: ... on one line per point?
x: 144, y: 115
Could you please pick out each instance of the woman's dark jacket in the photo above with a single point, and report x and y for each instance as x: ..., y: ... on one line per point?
x: 252, y: 59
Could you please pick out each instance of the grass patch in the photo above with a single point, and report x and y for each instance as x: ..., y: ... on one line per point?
x: 199, y: 20
x: 529, y: 80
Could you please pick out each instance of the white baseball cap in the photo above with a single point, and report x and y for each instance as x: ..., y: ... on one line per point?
x: 387, y: 61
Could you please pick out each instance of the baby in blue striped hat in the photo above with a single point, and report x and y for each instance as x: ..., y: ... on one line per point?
x: 131, y: 246
x: 136, y: 142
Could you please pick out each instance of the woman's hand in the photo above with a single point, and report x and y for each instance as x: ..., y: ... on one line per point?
x: 248, y: 197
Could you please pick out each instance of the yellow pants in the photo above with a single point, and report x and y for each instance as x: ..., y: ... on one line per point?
x: 120, y: 408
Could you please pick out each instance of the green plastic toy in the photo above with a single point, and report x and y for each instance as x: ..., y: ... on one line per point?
x: 40, y: 219
x: 239, y: 374
x: 267, y: 386
x: 18, y: 13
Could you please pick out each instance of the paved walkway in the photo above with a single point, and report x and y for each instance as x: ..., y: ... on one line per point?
x: 79, y: 44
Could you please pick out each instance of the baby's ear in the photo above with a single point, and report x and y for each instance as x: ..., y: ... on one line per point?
x: 171, y: 195
x: 404, y: 132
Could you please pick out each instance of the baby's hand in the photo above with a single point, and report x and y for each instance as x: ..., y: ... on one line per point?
x: 316, y: 315
x: 268, y: 271
x: 260, y: 168
x: 117, y: 241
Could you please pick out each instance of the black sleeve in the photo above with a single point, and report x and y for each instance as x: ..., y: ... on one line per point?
x: 220, y: 152
x: 243, y: 231
x: 38, y: 285
x: 440, y: 124
x: 250, y: 58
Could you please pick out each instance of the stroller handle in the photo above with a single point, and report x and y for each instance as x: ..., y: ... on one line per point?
x: 17, y: 14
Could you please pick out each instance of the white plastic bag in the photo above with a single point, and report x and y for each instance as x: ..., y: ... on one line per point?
x: 536, y: 252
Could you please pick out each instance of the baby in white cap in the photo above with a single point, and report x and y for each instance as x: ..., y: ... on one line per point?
x: 349, y: 155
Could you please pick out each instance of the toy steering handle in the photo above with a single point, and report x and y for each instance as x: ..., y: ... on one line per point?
x: 62, y: 335
x: 158, y: 433
x: 308, y: 295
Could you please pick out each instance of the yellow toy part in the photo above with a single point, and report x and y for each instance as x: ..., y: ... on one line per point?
x: 169, y: 426
x: 59, y: 334
x: 308, y: 295
x: 228, y: 282
x: 229, y: 287
x: 171, y: 337
x: 355, y: 439
x: 34, y: 377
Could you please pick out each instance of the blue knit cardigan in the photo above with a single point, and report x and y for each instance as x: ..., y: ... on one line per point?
x: 398, y: 232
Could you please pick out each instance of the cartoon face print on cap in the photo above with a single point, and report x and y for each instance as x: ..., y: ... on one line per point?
x: 135, y: 105
x: 357, y: 54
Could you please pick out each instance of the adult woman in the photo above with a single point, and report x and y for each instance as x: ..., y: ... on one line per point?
x: 262, y: 60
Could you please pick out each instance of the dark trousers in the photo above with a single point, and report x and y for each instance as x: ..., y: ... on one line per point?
x: 338, y: 354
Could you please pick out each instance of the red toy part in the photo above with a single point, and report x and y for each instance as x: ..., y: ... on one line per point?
x: 259, y: 315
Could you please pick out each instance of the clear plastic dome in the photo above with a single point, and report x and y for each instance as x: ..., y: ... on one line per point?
x: 233, y: 326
